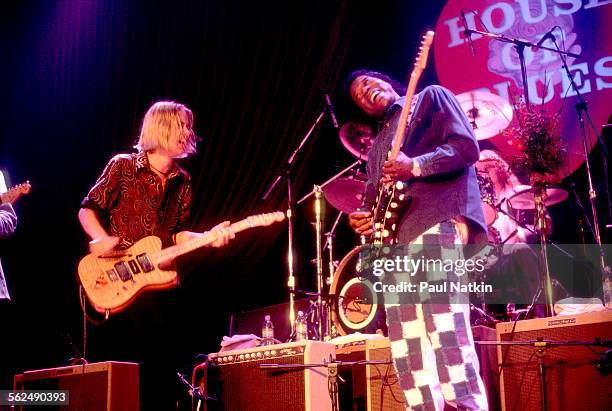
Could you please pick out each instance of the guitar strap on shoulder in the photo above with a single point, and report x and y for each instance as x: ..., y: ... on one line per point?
x: 170, y: 213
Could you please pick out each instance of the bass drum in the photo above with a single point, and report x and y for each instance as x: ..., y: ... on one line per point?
x: 356, y: 306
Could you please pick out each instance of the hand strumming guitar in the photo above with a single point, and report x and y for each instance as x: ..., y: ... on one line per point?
x: 361, y: 222
x: 398, y: 169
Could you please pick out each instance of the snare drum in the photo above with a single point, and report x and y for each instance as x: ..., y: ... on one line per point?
x: 356, y: 307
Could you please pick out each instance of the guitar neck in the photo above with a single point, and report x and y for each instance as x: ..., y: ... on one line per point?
x: 170, y: 253
x: 400, y: 132
x: 15, y: 192
x: 421, y: 61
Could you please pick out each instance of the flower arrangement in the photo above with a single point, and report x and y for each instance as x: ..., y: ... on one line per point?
x: 543, y: 150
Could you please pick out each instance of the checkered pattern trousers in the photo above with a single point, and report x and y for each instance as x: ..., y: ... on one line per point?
x: 432, y: 344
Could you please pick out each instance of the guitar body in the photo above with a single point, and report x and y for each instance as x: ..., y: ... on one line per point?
x: 112, y: 280
x: 391, y: 204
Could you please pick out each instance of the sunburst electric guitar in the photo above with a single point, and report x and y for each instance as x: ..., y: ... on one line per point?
x: 13, y: 193
x: 392, y: 200
x: 113, y: 280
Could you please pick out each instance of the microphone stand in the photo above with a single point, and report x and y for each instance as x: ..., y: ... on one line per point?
x: 582, y: 107
x: 539, y: 191
x: 285, y: 172
x: 519, y: 45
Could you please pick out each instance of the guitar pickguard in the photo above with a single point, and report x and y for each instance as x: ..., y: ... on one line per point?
x: 391, y: 204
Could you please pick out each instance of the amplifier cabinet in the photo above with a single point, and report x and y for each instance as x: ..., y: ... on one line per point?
x: 373, y: 387
x: 572, y: 381
x: 104, y: 386
x: 236, y: 381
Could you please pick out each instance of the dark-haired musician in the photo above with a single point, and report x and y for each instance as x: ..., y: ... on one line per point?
x: 432, y: 344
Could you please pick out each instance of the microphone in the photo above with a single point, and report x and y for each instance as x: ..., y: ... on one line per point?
x: 549, y: 35
x: 467, y: 33
x: 330, y: 109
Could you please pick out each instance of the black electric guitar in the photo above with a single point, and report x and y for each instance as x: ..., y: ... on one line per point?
x: 392, y: 200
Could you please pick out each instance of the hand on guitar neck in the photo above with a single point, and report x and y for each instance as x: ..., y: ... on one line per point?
x: 221, y: 231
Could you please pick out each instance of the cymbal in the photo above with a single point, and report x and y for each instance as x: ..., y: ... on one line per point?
x: 524, y: 198
x: 357, y: 138
x: 345, y: 194
x: 488, y: 113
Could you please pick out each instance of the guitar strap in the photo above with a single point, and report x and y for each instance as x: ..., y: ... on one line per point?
x: 170, y: 215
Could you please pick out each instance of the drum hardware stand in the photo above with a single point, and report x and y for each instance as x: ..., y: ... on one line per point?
x: 329, y: 245
x: 285, y: 172
x: 582, y: 107
x: 540, y: 228
x: 524, y: 227
x: 333, y: 178
x: 322, y: 333
x: 323, y: 308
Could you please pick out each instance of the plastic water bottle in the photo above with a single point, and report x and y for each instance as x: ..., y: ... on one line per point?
x: 607, y: 287
x: 511, y: 311
x: 301, y: 327
x: 267, y: 331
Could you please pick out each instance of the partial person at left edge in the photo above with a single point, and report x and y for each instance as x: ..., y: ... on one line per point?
x: 8, y: 225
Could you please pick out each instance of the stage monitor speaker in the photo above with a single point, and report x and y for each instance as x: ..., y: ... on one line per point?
x: 104, y: 386
x: 487, y: 360
x: 370, y: 387
x: 572, y: 381
x: 236, y: 381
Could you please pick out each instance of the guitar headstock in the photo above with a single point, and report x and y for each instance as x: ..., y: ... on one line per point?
x: 421, y: 60
x: 15, y: 192
x: 261, y: 220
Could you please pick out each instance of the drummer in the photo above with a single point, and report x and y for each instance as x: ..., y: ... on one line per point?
x: 517, y: 270
x: 493, y: 170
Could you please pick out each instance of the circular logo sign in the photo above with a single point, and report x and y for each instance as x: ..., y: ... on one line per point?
x: 580, y: 27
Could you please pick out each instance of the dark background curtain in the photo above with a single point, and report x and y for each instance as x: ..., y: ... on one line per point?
x: 77, y: 78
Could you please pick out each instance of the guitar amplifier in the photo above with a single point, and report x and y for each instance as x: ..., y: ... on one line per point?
x: 236, y: 381
x: 372, y: 387
x: 104, y: 386
x: 572, y: 380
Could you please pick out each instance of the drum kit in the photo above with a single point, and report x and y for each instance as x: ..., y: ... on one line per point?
x: 355, y: 307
